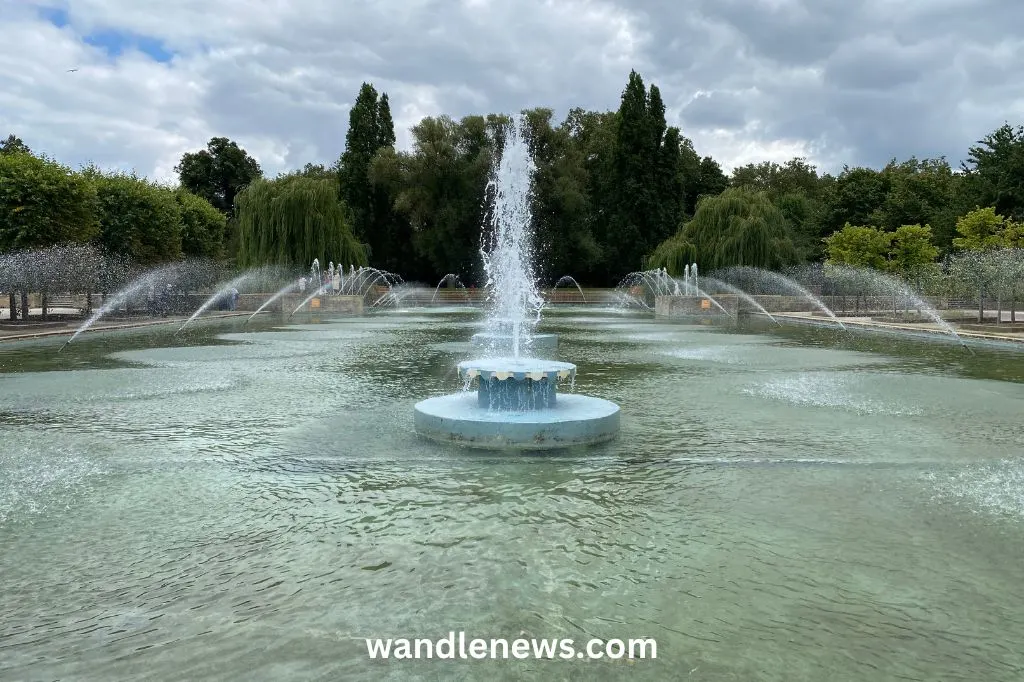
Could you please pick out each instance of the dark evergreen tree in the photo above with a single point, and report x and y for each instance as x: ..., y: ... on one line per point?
x: 14, y: 145
x: 361, y: 143
x: 648, y: 180
x: 372, y: 131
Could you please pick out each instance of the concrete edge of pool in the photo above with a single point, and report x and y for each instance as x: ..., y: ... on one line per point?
x: 575, y: 420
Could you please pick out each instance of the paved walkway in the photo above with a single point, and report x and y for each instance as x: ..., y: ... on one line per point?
x: 35, y: 330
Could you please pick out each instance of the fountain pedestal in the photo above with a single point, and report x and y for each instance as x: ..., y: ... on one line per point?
x: 517, y: 407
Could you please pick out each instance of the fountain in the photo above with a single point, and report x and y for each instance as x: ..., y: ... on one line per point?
x: 452, y: 280
x: 736, y: 291
x: 517, y: 405
x: 786, y: 283
x: 148, y: 280
x: 220, y: 294
x: 568, y: 279
x: 287, y: 288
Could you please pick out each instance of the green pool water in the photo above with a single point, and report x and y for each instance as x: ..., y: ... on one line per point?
x: 252, y: 504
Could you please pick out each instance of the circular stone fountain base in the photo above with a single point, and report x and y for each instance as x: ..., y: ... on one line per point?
x: 572, y: 420
x: 537, y: 342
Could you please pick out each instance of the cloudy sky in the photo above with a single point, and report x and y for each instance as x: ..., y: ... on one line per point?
x: 837, y: 81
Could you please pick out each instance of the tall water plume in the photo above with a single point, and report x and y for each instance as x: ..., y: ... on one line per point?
x: 513, y: 298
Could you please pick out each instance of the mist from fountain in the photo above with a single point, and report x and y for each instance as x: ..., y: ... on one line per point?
x: 319, y: 291
x: 736, y: 291
x: 360, y: 281
x: 281, y: 292
x: 759, y: 274
x: 657, y: 282
x: 220, y: 293
x: 896, y: 287
x: 150, y: 279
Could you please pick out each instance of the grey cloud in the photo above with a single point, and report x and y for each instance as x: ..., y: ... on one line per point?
x: 862, y: 82
x: 854, y: 81
x: 716, y: 109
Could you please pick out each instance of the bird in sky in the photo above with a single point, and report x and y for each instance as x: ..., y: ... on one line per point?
x: 72, y: 70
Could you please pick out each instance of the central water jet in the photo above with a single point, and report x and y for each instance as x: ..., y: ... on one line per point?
x: 517, y: 405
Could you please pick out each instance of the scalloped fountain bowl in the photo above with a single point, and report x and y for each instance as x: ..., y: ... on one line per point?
x: 516, y: 406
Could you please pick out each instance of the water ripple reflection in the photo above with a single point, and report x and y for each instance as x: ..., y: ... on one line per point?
x: 774, y: 509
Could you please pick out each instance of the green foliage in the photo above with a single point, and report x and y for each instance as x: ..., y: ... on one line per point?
x: 202, y: 226
x: 673, y: 254
x: 646, y: 182
x: 610, y: 188
x: 995, y: 171
x: 43, y: 203
x: 796, y: 176
x: 14, y: 145
x: 371, y: 131
x: 906, y: 251
x: 737, y: 227
x: 912, y: 250
x: 921, y: 192
x: 138, y: 218
x: 565, y: 242
x: 218, y: 173
x: 292, y: 220
x: 859, y: 246
x: 439, y: 188
x: 853, y: 197
x: 984, y: 230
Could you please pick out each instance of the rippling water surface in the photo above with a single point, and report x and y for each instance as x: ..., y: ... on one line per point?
x: 799, y: 505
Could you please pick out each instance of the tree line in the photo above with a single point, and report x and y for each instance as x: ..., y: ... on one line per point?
x: 614, y: 191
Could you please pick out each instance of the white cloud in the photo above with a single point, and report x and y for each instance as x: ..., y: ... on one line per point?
x: 783, y: 78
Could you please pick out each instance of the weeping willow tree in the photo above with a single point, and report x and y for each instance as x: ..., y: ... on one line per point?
x: 293, y: 219
x: 736, y: 227
x: 673, y: 254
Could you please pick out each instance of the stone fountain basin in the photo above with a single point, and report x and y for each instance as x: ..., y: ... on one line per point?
x: 573, y: 421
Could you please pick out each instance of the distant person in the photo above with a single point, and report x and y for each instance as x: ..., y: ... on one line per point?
x: 302, y: 285
x: 336, y: 283
x: 234, y: 299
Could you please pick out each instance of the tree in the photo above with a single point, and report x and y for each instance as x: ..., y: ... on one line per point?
x: 982, y: 230
x: 202, y: 226
x: 647, y: 202
x: 293, y: 219
x: 859, y: 246
x: 42, y: 203
x: 361, y: 143
x: 912, y: 250
x: 371, y: 130
x: 138, y: 218
x: 561, y: 205
x: 796, y: 176
x: 737, y: 227
x: 14, y: 145
x: 674, y: 254
x: 995, y: 171
x: 439, y: 188
x: 921, y: 192
x: 218, y: 173
x: 592, y: 137
x: 853, y: 197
